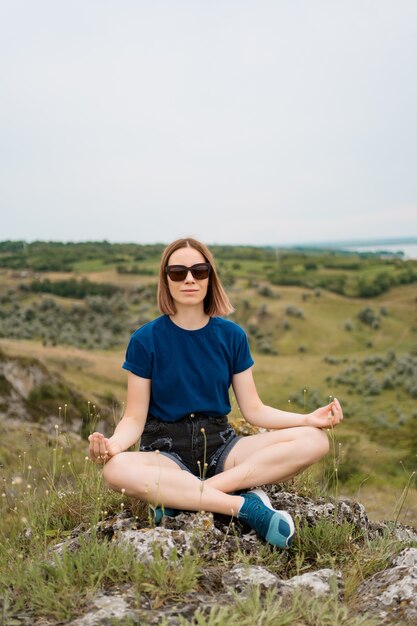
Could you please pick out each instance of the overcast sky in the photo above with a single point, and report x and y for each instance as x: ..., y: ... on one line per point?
x: 244, y: 121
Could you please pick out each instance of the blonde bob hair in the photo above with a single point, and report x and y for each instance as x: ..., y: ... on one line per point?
x: 216, y: 302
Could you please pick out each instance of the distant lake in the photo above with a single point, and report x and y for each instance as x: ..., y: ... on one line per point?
x: 408, y: 249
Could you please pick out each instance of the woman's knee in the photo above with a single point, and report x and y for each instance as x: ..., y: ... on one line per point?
x: 115, y: 469
x: 318, y: 441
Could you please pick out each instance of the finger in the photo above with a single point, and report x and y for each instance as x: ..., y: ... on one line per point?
x: 338, y: 409
x: 96, y: 444
x: 337, y: 404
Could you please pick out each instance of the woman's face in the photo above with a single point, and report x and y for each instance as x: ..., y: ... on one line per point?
x: 189, y: 291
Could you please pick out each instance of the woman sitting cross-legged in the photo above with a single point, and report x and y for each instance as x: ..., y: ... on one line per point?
x: 181, y: 367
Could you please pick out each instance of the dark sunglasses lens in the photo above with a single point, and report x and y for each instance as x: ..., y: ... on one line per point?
x: 177, y: 273
x: 200, y: 272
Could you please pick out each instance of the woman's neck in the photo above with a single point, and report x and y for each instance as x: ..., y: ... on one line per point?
x: 190, y: 319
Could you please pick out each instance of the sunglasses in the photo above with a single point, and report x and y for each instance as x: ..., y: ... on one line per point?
x: 177, y: 273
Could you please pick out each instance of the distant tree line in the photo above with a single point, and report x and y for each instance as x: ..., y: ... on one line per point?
x: 72, y: 288
x: 346, y: 273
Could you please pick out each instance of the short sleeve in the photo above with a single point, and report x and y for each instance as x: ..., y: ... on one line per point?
x: 138, y: 357
x: 243, y: 359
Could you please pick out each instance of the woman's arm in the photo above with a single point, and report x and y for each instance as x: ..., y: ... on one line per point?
x: 258, y: 414
x: 130, y: 427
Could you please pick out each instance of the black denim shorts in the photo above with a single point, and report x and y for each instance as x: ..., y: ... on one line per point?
x: 197, y: 443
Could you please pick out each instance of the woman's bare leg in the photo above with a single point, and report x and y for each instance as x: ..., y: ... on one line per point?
x: 156, y: 479
x: 270, y: 457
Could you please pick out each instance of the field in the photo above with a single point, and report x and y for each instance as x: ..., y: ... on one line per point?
x: 74, y: 307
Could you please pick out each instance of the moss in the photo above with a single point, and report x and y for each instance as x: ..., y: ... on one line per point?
x: 46, y: 399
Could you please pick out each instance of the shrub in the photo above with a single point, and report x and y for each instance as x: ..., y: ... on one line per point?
x: 367, y: 316
x: 293, y: 311
x: 265, y: 291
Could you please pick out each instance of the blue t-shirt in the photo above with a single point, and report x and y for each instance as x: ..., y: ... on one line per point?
x: 191, y: 370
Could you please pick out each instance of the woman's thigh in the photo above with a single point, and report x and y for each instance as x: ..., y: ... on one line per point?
x: 251, y: 444
x: 128, y: 464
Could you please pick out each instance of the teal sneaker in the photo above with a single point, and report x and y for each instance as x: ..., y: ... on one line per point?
x: 276, y: 527
x: 158, y: 512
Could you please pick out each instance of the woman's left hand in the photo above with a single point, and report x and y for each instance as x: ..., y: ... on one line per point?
x: 326, y: 416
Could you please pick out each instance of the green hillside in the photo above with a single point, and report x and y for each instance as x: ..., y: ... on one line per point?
x: 313, y: 335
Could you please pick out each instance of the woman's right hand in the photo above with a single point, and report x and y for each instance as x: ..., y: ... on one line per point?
x: 102, y: 449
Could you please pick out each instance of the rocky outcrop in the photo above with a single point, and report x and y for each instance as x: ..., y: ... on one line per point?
x: 389, y: 595
x: 392, y: 593
x: 29, y: 392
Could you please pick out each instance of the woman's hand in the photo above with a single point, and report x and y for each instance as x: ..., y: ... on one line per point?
x: 102, y: 449
x: 326, y: 416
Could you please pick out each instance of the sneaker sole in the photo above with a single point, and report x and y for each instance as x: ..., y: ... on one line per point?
x: 275, y: 534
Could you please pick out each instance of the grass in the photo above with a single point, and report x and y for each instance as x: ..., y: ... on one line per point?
x: 271, y: 610
x: 53, y: 489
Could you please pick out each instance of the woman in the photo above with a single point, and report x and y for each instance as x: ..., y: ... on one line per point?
x: 181, y: 366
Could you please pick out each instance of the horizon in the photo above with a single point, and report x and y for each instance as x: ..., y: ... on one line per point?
x: 388, y: 241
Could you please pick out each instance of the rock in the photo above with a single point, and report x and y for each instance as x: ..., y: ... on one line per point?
x: 145, y: 540
x: 392, y: 593
x: 107, y: 607
x: 406, y: 558
x: 308, y: 511
x: 347, y: 510
x: 321, y: 582
x: 242, y: 577
x: 397, y: 531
